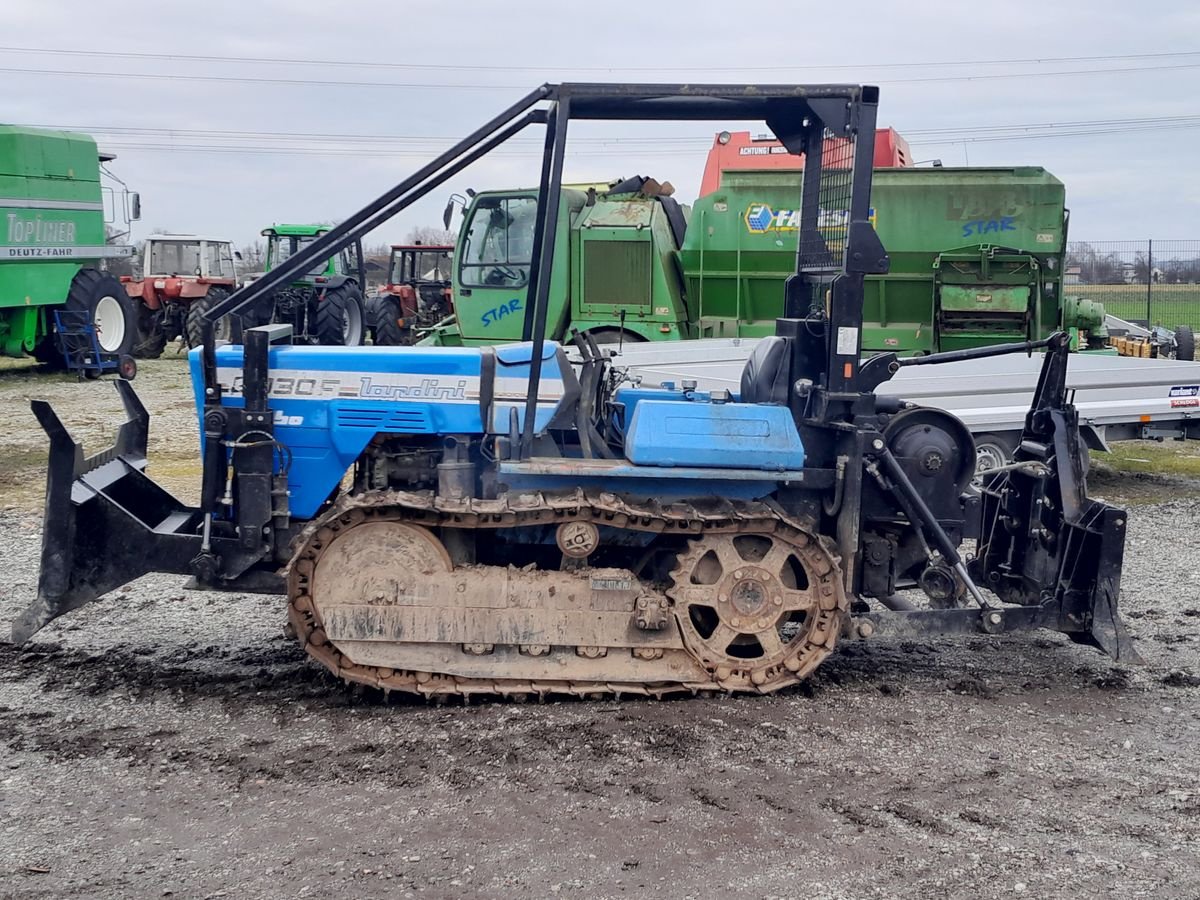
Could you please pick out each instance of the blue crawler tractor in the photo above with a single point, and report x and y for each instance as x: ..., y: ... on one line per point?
x: 522, y: 519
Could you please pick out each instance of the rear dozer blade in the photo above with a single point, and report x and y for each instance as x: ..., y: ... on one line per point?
x: 1043, y: 542
x: 105, y: 522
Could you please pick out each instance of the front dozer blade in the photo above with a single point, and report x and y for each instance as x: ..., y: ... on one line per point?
x: 105, y: 522
x: 1045, y: 543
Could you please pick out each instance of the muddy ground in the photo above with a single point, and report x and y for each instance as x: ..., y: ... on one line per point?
x: 166, y: 743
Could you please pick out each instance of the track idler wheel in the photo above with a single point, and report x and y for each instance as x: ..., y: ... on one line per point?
x: 349, y: 558
x: 758, y: 611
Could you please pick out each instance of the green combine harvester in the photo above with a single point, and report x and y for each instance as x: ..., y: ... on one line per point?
x: 977, y: 259
x: 54, y: 243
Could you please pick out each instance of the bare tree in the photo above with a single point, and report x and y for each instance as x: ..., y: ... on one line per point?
x: 1182, y: 271
x: 430, y: 235
x: 1141, y: 269
x: 1094, y: 268
x: 254, y: 257
x: 118, y: 265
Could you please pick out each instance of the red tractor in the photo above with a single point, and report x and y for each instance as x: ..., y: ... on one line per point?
x: 182, y: 275
x: 417, y: 293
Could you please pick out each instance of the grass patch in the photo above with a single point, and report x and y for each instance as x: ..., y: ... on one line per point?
x: 178, y: 475
x: 22, y: 477
x: 26, y: 371
x: 1170, y: 304
x: 1143, y: 472
x: 24, y: 364
x: 1154, y: 458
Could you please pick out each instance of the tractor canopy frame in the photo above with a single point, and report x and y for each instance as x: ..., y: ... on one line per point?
x: 836, y: 243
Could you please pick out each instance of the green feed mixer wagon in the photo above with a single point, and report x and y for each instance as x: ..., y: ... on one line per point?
x: 977, y: 259
x: 54, y: 243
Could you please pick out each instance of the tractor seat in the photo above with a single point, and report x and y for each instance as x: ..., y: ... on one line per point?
x: 765, y: 377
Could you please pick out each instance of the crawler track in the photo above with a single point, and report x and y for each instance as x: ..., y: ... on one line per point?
x: 754, y: 601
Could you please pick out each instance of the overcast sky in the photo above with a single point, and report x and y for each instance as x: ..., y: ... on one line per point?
x: 435, y: 71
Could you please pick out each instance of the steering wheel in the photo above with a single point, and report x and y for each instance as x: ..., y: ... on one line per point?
x: 500, y: 274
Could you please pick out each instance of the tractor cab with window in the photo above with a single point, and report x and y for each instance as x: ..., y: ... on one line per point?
x: 416, y: 296
x: 325, y: 305
x: 613, y: 276
x: 182, y: 276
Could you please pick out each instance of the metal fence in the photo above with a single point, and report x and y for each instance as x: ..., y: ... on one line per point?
x: 1150, y: 282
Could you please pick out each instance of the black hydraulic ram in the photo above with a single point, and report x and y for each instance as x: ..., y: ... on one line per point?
x: 240, y: 485
x: 1043, y: 541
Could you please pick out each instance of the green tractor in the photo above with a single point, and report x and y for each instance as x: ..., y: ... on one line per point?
x: 326, y: 305
x: 53, y: 244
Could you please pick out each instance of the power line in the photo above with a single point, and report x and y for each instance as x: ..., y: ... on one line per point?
x: 532, y: 152
x: 464, y: 86
x: 334, y: 144
x: 318, y: 136
x: 1000, y: 75
x: 987, y: 139
x: 508, y: 67
x: 234, y: 79
x: 342, y: 137
x: 381, y: 153
x: 1147, y: 120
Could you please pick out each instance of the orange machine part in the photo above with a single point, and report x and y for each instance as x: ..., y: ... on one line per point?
x: 745, y: 153
x: 172, y: 287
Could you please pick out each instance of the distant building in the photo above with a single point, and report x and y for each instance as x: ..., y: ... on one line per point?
x: 1131, y: 275
x: 1071, y: 275
x: 376, y: 270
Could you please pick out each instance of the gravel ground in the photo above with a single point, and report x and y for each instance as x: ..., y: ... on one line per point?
x: 173, y: 743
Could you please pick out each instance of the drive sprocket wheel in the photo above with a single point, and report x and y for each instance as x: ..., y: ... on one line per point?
x: 758, y: 610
